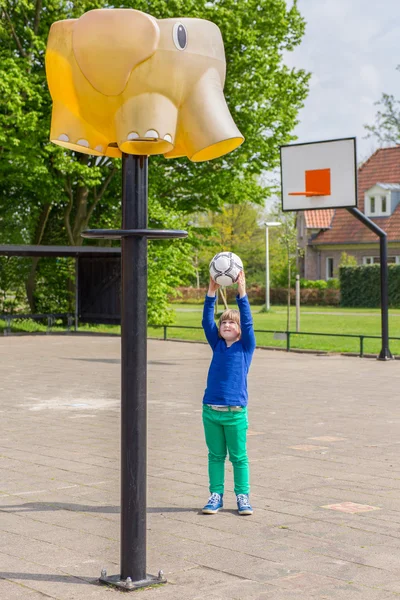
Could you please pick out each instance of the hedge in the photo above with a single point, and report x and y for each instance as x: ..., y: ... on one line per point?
x: 256, y: 294
x: 320, y: 284
x: 360, y: 286
x: 308, y: 297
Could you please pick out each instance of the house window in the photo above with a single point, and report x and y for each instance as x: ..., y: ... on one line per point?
x: 377, y: 206
x: 375, y: 260
x: 329, y: 268
x: 372, y: 205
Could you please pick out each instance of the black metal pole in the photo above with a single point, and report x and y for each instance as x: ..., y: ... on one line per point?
x: 133, y: 369
x: 385, y: 353
x: 134, y: 235
x: 77, y: 299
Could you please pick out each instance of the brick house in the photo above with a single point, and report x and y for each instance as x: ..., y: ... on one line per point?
x: 324, y: 235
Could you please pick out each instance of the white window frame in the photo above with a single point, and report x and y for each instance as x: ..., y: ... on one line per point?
x: 372, y: 199
x: 327, y: 276
x: 368, y: 260
x: 377, y: 196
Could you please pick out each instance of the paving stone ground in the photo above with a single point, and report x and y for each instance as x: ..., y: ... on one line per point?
x: 323, y: 444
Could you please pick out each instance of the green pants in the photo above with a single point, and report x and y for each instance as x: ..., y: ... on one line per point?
x: 226, y: 431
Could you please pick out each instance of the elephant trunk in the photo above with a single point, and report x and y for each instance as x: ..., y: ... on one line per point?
x: 206, y: 129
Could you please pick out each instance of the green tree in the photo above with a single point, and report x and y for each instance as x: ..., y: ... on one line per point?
x: 287, y: 238
x: 234, y: 228
x: 48, y: 195
x: 386, y: 127
x: 347, y: 260
x: 283, y: 247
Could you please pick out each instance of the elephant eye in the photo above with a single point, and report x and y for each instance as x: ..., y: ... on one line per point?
x: 180, y: 36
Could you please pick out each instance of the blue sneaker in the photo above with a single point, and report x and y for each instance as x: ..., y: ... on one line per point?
x: 243, y: 504
x: 215, y: 502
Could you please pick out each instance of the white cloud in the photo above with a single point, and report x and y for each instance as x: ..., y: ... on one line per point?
x: 351, y: 47
x: 369, y: 75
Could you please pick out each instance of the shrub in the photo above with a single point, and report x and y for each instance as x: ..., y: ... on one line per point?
x: 190, y: 295
x: 308, y: 297
x: 318, y: 284
x: 256, y: 294
x: 360, y: 286
x: 347, y: 260
x: 333, y: 284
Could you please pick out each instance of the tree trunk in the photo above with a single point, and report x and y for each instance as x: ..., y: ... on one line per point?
x: 30, y: 284
x: 223, y: 297
x: 71, y: 283
x: 81, y: 214
x: 196, y: 268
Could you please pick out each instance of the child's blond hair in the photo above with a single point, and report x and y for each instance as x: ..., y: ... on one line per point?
x: 230, y: 314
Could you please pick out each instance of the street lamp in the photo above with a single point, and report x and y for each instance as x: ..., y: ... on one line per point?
x: 268, y: 224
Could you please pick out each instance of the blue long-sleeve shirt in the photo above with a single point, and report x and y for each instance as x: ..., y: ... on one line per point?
x: 227, y: 375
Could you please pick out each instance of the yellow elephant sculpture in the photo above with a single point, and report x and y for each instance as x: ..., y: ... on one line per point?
x: 123, y: 81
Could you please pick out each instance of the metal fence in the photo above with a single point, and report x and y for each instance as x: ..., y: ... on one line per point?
x: 50, y: 317
x: 288, y: 335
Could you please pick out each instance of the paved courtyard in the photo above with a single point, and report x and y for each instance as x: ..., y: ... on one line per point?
x: 324, y: 443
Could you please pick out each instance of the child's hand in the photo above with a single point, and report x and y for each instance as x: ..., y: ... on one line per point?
x: 241, y: 281
x: 212, y: 287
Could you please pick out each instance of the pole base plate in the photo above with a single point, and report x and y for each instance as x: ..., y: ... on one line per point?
x: 385, y: 354
x: 129, y: 585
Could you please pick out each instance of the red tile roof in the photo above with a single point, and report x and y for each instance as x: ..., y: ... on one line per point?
x: 383, y: 165
x: 319, y: 219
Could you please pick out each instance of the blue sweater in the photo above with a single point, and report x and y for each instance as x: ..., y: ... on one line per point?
x: 227, y: 376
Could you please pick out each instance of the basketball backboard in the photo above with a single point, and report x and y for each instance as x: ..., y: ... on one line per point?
x: 319, y: 175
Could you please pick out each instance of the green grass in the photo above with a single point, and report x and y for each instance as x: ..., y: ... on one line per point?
x: 320, y: 319
x: 331, y: 320
x: 32, y: 326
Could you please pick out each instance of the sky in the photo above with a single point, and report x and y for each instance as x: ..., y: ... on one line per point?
x: 352, y: 48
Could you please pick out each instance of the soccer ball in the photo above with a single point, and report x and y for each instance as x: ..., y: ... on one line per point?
x: 225, y: 268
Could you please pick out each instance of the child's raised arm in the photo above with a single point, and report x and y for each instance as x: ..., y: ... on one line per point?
x: 208, y: 323
x: 246, y: 319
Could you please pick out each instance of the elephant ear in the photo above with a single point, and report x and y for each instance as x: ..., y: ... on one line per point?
x: 109, y: 43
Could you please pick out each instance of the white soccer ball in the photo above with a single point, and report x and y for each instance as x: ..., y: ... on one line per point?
x: 225, y: 268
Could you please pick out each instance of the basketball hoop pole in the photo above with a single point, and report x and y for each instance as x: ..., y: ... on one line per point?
x: 134, y: 235
x: 305, y: 160
x: 385, y: 353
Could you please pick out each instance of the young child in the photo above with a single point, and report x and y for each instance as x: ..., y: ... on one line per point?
x: 225, y: 399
